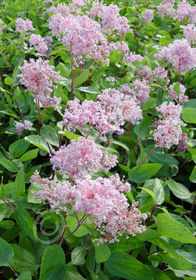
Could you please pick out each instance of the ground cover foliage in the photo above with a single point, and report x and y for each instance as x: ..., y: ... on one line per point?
x: 98, y: 149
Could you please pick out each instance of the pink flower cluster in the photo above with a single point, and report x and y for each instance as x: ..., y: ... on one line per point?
x: 22, y: 125
x: 148, y: 16
x: 145, y: 73
x: 186, y: 11
x: 168, y: 130
x: 76, y: 6
x: 125, y: 107
x: 23, y: 26
x: 48, y: 1
x: 181, y: 98
x: 190, y: 33
x: 82, y: 157
x: 166, y: 8
x: 38, y: 76
x: 141, y: 90
x: 2, y: 26
x: 126, y: 221
x: 120, y: 46
x: 38, y: 42
x: 111, y: 19
x: 160, y: 72
x: 182, y: 145
x: 101, y: 200
x: 83, y: 37
x: 180, y: 54
x: 130, y: 57
x: 108, y: 114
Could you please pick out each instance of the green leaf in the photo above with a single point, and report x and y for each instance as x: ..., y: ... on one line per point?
x: 50, y: 135
x: 78, y: 255
x: 189, y: 115
x: 158, y: 274
x: 25, y: 276
x: 8, y: 224
x: 6, y: 253
x: 127, y: 244
x: 66, y: 272
x: 189, y: 255
x: 193, y: 153
x: 125, y: 168
x: 168, y: 227
x: 8, y: 81
x: 142, y: 129
x: 53, y: 256
x: 19, y: 185
x: 82, y: 78
x: 159, y: 192
x: 177, y: 88
x: 23, y: 260
x: 89, y: 90
x: 158, y: 157
x: 102, y: 253
x: 178, y: 189
x: 192, y: 177
x: 9, y: 165
x: 37, y: 141
x: 30, y: 197
x: 176, y: 262
x: 139, y: 174
x: 58, y: 272
x: 150, y: 102
x: 29, y: 155
x: 147, y: 235
x: 124, y: 146
x: 70, y: 135
x: 64, y: 71
x: 91, y: 265
x: 125, y: 266
x: 190, y: 104
x: 26, y: 223
x: 18, y: 148
x: 142, y: 155
x: 72, y: 223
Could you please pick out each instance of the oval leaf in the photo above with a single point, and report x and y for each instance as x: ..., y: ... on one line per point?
x: 189, y: 115
x: 139, y: 174
x: 26, y: 223
x: 168, y: 227
x: 6, y: 253
x: 123, y: 265
x: 178, y: 189
x: 53, y: 256
x: 102, y: 253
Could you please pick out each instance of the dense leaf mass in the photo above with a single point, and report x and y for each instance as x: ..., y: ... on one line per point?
x: 98, y: 148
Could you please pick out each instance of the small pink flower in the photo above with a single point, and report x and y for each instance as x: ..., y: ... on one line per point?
x: 148, y: 16
x: 168, y: 130
x: 22, y: 125
x: 38, y: 42
x: 23, y: 26
x: 84, y: 157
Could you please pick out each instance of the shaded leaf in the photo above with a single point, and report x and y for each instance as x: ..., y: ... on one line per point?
x: 123, y: 265
x: 168, y: 227
x: 139, y: 174
x: 6, y: 253
x: 178, y: 189
x: 53, y: 256
x: 29, y: 155
x: 78, y: 255
x: 26, y: 223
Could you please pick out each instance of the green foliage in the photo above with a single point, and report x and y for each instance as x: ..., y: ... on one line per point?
x: 47, y: 242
